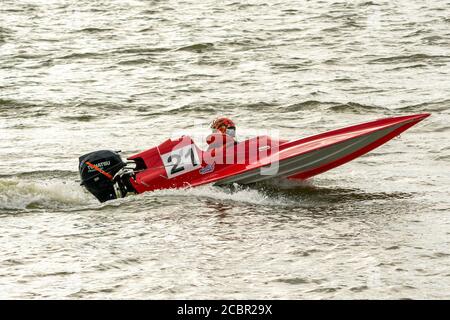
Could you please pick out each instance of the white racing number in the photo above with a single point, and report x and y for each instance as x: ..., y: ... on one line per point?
x: 181, y: 161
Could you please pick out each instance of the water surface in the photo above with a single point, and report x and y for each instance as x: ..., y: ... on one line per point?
x: 125, y: 75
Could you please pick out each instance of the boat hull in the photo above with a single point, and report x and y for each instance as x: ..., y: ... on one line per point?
x: 317, y: 154
x: 180, y: 163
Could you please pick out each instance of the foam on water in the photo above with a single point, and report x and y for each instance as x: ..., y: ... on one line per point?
x: 236, y: 193
x: 16, y: 194
x: 19, y: 194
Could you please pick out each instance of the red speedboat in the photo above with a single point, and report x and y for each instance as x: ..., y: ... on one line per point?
x: 180, y: 163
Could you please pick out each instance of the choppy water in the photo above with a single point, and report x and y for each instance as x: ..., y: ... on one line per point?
x: 77, y: 76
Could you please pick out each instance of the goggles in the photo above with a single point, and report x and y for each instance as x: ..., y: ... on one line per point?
x: 231, y: 131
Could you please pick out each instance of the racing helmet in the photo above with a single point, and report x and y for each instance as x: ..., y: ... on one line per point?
x: 225, y: 126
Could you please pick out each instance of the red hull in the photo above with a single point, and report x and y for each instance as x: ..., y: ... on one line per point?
x: 180, y: 163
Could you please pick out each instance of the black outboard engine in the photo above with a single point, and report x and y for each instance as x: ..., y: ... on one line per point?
x: 98, y: 170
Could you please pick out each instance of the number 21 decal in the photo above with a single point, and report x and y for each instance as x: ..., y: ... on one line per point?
x: 180, y: 161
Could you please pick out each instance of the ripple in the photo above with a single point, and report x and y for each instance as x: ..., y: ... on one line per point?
x: 294, y: 281
x: 433, y: 106
x: 141, y: 50
x: 324, y: 290
x: 5, y: 33
x: 353, y: 107
x: 93, y: 30
x: 412, y: 58
x: 412, y: 66
x: 335, y: 107
x: 198, y: 47
x: 359, y: 288
x: 81, y: 118
x: 80, y: 55
x: 368, y: 4
x: 133, y: 62
x: 11, y: 103
x: 393, y: 248
x: 306, y: 105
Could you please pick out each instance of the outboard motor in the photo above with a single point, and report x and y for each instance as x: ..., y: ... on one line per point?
x: 98, y: 174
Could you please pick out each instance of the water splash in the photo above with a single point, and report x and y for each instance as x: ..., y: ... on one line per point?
x: 235, y: 193
x: 17, y: 194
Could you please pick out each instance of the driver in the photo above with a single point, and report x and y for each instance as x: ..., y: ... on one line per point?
x: 224, y: 133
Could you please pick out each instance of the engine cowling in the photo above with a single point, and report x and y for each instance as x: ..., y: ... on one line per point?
x: 97, y: 170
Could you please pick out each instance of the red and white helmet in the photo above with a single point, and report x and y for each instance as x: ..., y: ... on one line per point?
x: 225, y: 126
x: 222, y: 123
